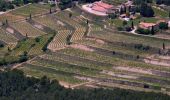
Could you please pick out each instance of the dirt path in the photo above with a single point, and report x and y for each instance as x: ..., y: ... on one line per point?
x: 17, y: 65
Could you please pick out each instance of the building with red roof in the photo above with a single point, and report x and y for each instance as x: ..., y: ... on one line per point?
x: 99, y: 8
x: 149, y: 26
x: 103, y: 5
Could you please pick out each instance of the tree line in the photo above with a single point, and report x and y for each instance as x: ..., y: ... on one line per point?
x: 14, y: 85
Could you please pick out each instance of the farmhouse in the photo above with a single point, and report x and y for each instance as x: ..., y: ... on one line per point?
x: 99, y: 8
x: 148, y: 26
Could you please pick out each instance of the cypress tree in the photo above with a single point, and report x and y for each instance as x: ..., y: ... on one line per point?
x: 152, y: 30
x: 163, y: 46
x: 132, y: 25
x: 6, y: 21
x: 30, y: 16
x: 50, y: 11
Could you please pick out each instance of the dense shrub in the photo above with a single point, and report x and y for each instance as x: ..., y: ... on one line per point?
x: 163, y: 25
x: 143, y: 31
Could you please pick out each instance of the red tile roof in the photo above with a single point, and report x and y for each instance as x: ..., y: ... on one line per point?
x: 146, y: 25
x: 98, y: 8
x: 104, y: 5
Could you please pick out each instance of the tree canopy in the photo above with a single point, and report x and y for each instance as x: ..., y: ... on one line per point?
x: 14, y: 85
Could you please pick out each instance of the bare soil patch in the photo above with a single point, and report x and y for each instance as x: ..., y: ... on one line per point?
x: 158, y: 62
x: 10, y: 30
x: 119, y: 75
x: 136, y: 70
x: 96, y: 40
x: 39, y: 26
x: 81, y: 47
x: 66, y: 85
x: 60, y: 23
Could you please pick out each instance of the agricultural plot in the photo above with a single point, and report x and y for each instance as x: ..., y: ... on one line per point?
x: 113, y: 47
x: 131, y: 38
x: 37, y: 47
x: 102, y: 56
x: 80, y: 20
x: 78, y: 34
x: 112, y: 60
x: 32, y: 46
x: 63, y: 17
x: 10, y: 17
x: 39, y: 71
x: 7, y: 37
x: 50, y: 22
x: 60, y: 40
x: 32, y: 9
x: 160, y: 12
x: 93, y: 27
x: 26, y: 29
x: 104, y: 70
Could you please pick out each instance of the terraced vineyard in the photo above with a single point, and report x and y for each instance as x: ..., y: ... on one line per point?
x: 88, y: 68
x: 79, y: 29
x: 78, y: 34
x: 60, y: 40
x: 33, y: 9
x: 77, y: 50
x: 7, y: 37
x: 130, y: 38
x: 27, y: 30
x: 50, y: 22
x: 10, y: 17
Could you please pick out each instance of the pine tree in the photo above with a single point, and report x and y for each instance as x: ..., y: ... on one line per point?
x: 163, y: 46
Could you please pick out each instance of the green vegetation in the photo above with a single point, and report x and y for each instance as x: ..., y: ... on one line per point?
x: 29, y: 9
x: 160, y: 12
x: 16, y: 85
x: 79, y: 52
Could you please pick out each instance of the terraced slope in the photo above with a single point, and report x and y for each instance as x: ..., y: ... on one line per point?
x: 88, y: 68
x: 10, y: 17
x: 78, y: 34
x: 32, y: 9
x: 60, y: 40
x: 50, y: 22
x: 26, y: 29
x: 79, y: 29
x: 7, y: 37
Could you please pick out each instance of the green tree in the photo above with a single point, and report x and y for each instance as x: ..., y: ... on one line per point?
x: 125, y: 23
x: 146, y: 11
x: 163, y: 25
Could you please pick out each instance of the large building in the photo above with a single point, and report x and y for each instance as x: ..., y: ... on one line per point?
x: 99, y: 8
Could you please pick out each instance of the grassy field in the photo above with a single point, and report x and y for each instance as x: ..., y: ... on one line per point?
x: 119, y: 22
x: 160, y: 12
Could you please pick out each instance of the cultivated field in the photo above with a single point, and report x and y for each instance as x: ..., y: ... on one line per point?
x: 75, y: 50
x: 27, y: 30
